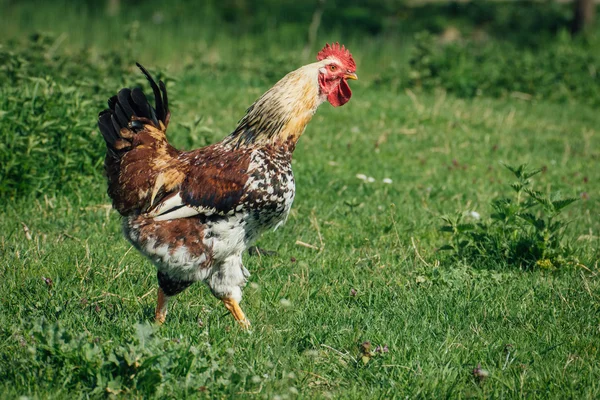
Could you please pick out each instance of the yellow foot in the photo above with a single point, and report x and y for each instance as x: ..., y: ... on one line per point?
x: 236, y: 311
x: 159, y: 319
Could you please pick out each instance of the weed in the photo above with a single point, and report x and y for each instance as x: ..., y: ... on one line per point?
x: 48, y: 138
x: 141, y: 364
x: 525, y: 230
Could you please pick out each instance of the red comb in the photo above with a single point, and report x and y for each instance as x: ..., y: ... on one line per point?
x: 340, y: 52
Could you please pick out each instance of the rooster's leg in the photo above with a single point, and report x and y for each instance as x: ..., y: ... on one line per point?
x: 161, y: 307
x: 236, y: 311
x: 167, y: 288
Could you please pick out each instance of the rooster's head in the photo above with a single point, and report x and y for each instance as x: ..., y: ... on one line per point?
x: 337, y: 65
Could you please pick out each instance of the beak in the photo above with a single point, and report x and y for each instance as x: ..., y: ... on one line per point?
x: 351, y: 75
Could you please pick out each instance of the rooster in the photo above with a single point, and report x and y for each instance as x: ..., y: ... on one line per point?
x: 193, y: 213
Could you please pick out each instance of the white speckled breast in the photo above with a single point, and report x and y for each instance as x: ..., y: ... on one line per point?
x: 270, y: 190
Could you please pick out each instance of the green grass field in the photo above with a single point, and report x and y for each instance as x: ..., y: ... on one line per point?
x: 357, y: 261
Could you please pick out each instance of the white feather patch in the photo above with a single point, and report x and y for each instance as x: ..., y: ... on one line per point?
x: 167, y: 204
x: 182, y: 212
x: 174, y: 208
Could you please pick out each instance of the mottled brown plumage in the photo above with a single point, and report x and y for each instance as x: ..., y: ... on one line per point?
x: 193, y: 213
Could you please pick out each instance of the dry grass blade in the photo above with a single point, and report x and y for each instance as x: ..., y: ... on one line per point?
x: 26, y: 231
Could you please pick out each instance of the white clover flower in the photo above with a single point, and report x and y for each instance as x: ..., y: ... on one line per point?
x: 311, y: 353
x: 475, y: 214
x: 362, y: 177
x: 285, y: 303
x: 387, y: 180
x: 370, y: 179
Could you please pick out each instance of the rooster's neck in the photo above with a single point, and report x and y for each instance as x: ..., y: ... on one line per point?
x: 279, y: 117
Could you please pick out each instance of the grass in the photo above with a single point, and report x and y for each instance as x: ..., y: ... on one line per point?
x: 77, y: 300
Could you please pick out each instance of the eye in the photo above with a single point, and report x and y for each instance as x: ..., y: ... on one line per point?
x: 332, y: 67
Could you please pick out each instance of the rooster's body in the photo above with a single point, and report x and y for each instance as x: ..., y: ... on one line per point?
x: 193, y: 213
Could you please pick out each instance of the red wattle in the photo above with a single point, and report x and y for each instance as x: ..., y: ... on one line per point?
x: 340, y: 95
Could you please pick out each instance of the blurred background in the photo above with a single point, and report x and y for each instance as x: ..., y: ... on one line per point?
x: 541, y: 48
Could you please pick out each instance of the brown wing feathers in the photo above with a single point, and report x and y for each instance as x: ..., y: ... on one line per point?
x: 143, y: 169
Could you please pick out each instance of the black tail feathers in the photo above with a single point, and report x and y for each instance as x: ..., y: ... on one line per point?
x: 126, y: 105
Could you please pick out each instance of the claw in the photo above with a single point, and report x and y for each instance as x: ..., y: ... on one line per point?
x: 236, y: 311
